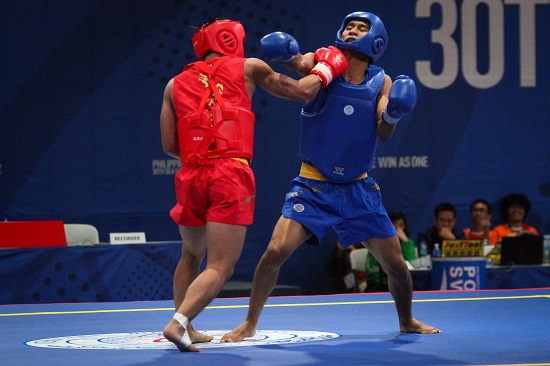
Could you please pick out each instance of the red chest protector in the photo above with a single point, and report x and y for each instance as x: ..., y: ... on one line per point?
x: 217, y: 128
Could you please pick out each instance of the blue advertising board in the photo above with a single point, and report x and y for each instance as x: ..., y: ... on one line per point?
x: 466, y: 273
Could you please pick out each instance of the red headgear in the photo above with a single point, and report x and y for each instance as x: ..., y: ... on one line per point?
x: 225, y: 37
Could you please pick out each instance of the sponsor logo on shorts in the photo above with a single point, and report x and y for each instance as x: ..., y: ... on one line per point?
x: 155, y: 340
x: 299, y: 207
x: 294, y: 194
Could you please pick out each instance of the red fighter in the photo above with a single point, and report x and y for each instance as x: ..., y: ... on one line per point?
x: 207, y: 122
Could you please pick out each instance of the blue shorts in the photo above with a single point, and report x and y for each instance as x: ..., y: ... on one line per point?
x: 354, y: 210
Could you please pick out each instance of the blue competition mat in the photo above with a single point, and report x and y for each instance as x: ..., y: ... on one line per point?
x: 500, y: 327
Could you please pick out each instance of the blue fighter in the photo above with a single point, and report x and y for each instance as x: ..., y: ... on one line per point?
x: 340, y: 129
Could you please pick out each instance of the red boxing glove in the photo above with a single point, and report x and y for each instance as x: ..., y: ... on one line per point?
x: 331, y: 62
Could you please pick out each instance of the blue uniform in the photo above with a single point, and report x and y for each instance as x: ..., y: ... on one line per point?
x: 337, y: 144
x: 339, y: 126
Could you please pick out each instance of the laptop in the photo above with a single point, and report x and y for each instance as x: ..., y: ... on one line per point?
x: 521, y: 249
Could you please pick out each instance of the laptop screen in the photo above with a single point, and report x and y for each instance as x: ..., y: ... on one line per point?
x: 522, y: 249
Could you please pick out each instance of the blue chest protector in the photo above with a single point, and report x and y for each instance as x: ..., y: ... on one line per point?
x: 338, y: 128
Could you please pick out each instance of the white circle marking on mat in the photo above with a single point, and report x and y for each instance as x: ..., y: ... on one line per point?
x: 155, y: 340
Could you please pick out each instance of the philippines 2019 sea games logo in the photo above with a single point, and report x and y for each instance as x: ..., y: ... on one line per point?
x: 155, y: 340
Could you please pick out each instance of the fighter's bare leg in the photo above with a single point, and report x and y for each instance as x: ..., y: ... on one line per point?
x: 388, y: 253
x: 287, y: 236
x: 225, y: 244
x: 188, y: 268
x: 193, y: 249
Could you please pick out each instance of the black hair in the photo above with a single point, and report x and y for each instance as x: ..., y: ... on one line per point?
x: 444, y: 206
x: 481, y: 200
x: 513, y: 199
x: 398, y: 215
x: 211, y: 20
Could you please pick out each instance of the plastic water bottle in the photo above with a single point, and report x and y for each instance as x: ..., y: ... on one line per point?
x: 437, y: 251
x: 423, y: 248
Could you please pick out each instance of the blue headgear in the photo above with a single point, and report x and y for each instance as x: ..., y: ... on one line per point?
x: 373, y: 44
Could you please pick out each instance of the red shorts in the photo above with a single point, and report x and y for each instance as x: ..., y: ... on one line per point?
x: 223, y: 191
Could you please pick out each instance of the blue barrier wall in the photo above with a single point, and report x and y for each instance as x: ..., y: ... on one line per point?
x: 82, y: 84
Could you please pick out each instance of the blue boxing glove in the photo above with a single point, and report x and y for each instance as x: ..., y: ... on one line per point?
x: 402, y: 99
x: 279, y: 47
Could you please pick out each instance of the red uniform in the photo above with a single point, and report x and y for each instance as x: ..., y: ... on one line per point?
x: 469, y: 234
x: 504, y: 230
x: 216, y: 138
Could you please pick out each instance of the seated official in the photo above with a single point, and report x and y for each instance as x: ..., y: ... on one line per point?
x: 480, y: 216
x: 444, y: 220
x: 514, y: 208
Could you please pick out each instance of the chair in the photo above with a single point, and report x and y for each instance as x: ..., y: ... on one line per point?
x: 81, y: 234
x: 358, y: 259
x: 358, y: 264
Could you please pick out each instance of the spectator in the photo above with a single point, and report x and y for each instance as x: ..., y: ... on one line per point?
x: 399, y: 221
x: 514, y: 209
x: 480, y: 216
x: 377, y: 279
x: 444, y: 220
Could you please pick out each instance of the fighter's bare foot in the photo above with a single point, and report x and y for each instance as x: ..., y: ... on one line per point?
x: 415, y: 326
x: 243, y: 331
x: 198, y: 337
x: 174, y: 332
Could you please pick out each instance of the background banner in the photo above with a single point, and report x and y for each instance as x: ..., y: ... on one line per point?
x: 82, y: 86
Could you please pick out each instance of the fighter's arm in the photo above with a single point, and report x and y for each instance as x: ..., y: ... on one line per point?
x: 283, y: 48
x: 384, y: 130
x: 258, y: 72
x: 302, y: 64
x: 327, y: 62
x: 168, y: 123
